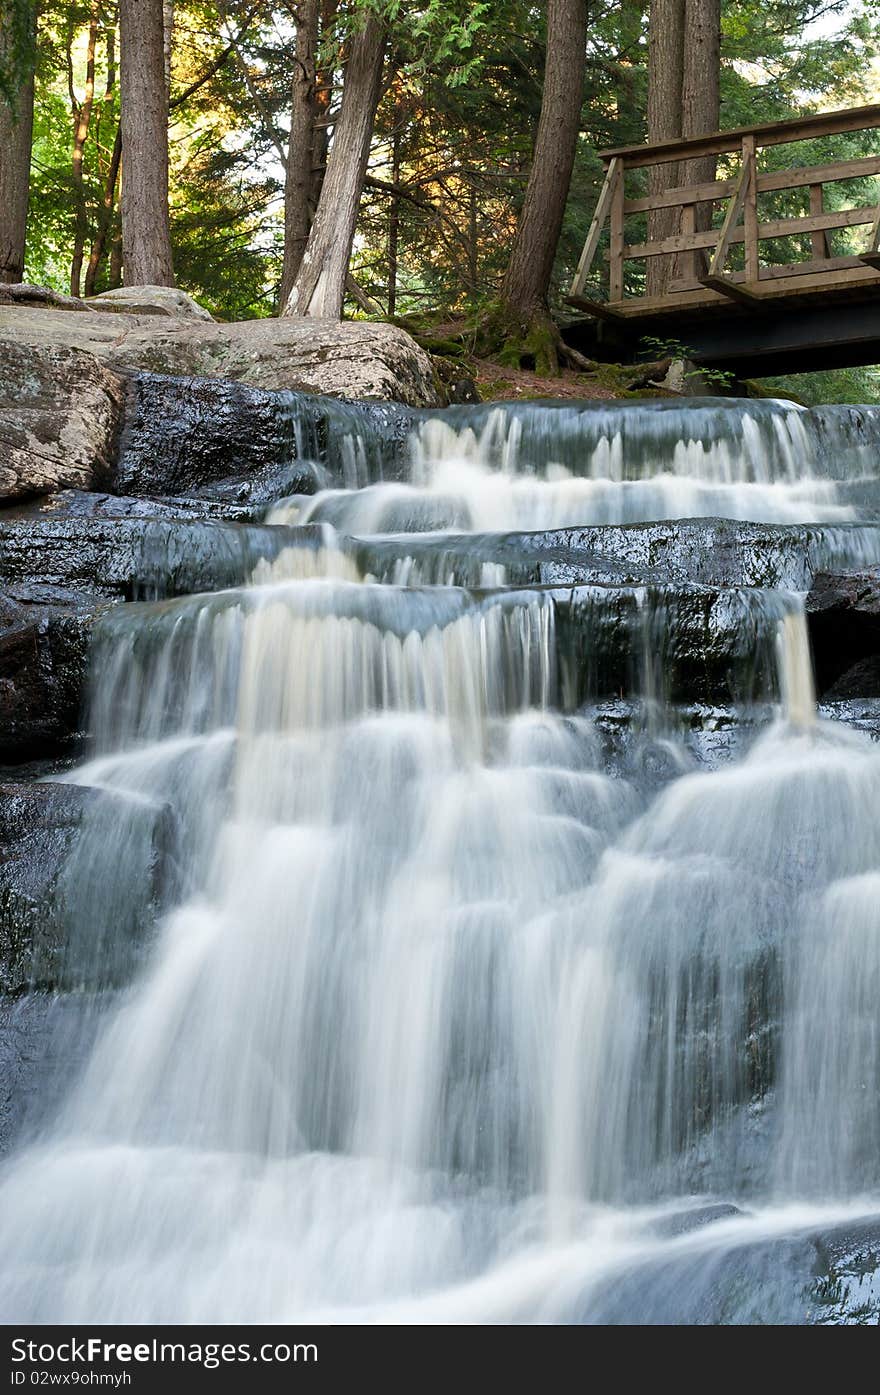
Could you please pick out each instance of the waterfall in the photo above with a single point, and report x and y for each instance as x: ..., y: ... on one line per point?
x: 796, y: 670
x: 453, y: 1012
x: 521, y: 466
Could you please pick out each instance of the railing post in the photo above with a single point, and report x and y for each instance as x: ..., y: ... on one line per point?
x: 615, y: 278
x: 818, y: 240
x: 690, y: 264
x: 750, y: 208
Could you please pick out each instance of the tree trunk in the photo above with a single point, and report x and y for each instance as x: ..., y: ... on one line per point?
x: 146, y: 235
x: 665, y: 79
x: 394, y: 220
x: 323, y: 96
x: 527, y: 281
x: 700, y: 91
x: 16, y: 133
x: 82, y: 117
x: 319, y: 289
x: 111, y: 177
x: 105, y: 215
x: 300, y: 150
x: 167, y: 40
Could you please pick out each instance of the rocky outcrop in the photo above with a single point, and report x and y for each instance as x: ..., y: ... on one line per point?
x: 190, y: 433
x: 678, y: 644
x: 843, y: 609
x: 352, y: 359
x: 44, y: 640
x: 60, y: 416
x: 38, y: 825
x: 151, y: 300
x: 136, y: 557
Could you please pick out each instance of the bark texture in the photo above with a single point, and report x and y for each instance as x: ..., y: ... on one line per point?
x: 319, y: 288
x: 700, y: 92
x: 300, y: 151
x: 665, y: 78
x: 146, y: 235
x: 82, y: 118
x: 527, y: 280
x: 16, y: 132
x: 684, y: 59
x: 111, y: 177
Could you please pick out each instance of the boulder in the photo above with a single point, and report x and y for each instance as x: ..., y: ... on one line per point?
x: 150, y: 300
x: 187, y: 433
x: 60, y: 416
x: 352, y: 359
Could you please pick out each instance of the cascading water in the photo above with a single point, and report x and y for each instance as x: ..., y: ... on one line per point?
x: 453, y: 1017
x: 506, y: 468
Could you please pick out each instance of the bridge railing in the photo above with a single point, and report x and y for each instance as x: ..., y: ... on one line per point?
x: 697, y: 256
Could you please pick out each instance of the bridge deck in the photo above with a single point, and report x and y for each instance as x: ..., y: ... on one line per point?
x: 771, y: 237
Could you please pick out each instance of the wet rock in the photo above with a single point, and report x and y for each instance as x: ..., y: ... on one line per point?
x: 862, y: 680
x: 137, y: 556
x: 707, y: 552
x: 44, y: 643
x: 844, y: 619
x: 43, y: 1041
x: 686, y: 644
x: 78, y: 504
x: 188, y: 433
x: 462, y: 391
x: 60, y: 416
x: 247, y: 496
x: 48, y: 873
x: 862, y: 714
x: 38, y: 824
x: 846, y: 1289
x: 350, y: 359
x: 829, y: 1278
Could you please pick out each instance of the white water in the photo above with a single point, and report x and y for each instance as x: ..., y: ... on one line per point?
x: 514, y: 471
x: 452, y: 1021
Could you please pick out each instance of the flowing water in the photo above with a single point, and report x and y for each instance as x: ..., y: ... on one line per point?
x: 452, y: 1015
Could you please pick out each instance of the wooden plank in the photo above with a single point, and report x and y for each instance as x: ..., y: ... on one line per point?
x: 820, y: 284
x: 829, y: 123
x: 639, y: 306
x: 793, y: 227
x: 599, y: 309
x: 807, y: 268
x: 750, y: 207
x: 818, y: 289
x: 769, y: 181
x: 861, y: 167
x: 780, y: 227
x: 615, y: 251
x: 739, y: 291
x: 603, y: 206
x: 676, y: 198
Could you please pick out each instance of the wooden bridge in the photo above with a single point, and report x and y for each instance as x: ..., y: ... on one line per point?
x: 755, y: 276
